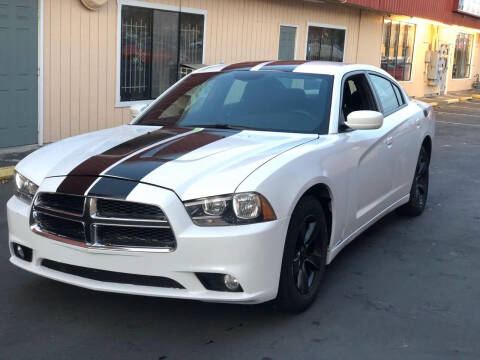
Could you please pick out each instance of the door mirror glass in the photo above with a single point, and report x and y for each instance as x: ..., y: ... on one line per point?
x: 365, y: 120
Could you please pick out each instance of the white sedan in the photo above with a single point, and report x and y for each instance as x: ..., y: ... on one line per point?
x: 238, y: 184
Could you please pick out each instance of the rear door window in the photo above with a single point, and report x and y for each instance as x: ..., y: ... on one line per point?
x: 386, y: 94
x: 400, y: 98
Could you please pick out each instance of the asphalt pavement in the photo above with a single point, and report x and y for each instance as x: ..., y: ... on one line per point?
x: 408, y: 288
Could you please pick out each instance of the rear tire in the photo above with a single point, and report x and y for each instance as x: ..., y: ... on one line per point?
x: 304, y: 256
x: 419, y: 190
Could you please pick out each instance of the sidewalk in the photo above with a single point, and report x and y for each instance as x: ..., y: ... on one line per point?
x: 452, y: 97
x: 9, y: 157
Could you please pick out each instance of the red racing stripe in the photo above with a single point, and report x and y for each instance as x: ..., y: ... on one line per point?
x: 84, y: 174
x: 242, y: 66
x: 140, y: 165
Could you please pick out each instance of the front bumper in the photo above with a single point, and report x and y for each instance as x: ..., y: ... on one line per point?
x: 251, y: 253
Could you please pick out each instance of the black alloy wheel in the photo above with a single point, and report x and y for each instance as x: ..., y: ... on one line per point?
x: 421, y: 178
x: 308, y: 254
x: 304, y: 256
x: 419, y: 190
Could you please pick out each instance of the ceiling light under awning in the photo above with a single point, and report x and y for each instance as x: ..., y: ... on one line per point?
x: 93, y: 4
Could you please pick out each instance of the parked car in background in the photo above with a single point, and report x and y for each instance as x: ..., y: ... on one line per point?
x: 239, y: 184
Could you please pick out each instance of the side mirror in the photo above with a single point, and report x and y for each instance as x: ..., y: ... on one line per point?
x: 365, y: 120
x: 135, y: 110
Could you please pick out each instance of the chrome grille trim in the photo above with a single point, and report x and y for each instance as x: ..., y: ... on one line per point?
x: 90, y: 220
x: 42, y: 206
x: 99, y: 242
x: 39, y: 229
x: 94, y: 214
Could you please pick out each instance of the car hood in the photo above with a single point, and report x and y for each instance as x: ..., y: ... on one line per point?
x: 193, y: 163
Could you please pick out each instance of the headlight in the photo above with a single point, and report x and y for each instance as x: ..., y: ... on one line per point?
x: 24, y: 188
x: 235, y: 209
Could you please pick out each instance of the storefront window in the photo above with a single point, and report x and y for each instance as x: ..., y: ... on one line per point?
x: 325, y: 43
x: 153, y: 45
x: 397, y: 49
x: 462, y: 56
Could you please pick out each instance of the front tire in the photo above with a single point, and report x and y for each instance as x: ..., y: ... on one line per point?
x: 419, y: 190
x: 304, y: 256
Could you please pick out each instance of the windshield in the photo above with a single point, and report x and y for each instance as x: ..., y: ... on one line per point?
x: 257, y: 100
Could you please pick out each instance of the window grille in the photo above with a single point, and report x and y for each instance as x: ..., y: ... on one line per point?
x: 325, y: 44
x: 397, y: 49
x: 462, y: 56
x: 153, y: 45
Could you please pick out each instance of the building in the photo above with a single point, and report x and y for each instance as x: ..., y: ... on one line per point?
x: 80, y: 64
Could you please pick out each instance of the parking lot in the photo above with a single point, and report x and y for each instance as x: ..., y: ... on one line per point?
x: 408, y: 288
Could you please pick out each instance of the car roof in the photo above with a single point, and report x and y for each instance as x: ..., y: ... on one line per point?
x: 311, y: 67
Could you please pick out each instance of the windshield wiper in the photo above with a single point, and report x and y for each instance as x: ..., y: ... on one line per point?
x: 222, y: 126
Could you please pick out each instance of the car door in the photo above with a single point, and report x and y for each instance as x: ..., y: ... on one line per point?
x: 371, y: 178
x: 404, y: 118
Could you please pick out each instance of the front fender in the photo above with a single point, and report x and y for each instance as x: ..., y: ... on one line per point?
x: 286, y: 178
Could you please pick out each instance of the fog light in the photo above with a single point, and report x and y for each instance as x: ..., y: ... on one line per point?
x: 22, y: 252
x: 219, y: 282
x: 231, y: 282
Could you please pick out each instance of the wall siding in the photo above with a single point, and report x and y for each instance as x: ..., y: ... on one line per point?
x: 80, y: 53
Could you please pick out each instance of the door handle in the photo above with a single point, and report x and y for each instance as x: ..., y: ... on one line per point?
x: 389, y: 141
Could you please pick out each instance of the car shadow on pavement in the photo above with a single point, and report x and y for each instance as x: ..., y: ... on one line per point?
x: 173, y: 328
x: 108, y: 306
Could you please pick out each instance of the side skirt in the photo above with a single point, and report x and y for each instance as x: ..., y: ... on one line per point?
x: 334, y: 251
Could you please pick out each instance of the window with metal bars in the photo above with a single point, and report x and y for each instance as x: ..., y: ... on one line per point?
x: 326, y: 44
x: 397, y: 49
x: 154, y: 43
x: 462, y: 56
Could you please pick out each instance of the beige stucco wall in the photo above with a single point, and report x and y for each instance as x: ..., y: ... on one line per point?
x: 80, y: 50
x: 428, y: 34
x: 369, y: 49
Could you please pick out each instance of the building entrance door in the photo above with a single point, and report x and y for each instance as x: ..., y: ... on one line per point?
x: 18, y: 72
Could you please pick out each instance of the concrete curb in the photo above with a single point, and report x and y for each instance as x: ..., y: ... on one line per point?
x: 454, y: 100
x: 6, y: 173
x: 449, y: 101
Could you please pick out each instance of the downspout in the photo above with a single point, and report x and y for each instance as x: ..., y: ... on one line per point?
x: 179, y: 38
x: 358, y: 34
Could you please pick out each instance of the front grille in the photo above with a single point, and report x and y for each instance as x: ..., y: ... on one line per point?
x: 128, y: 210
x: 61, y: 203
x: 98, y: 223
x: 134, y: 236
x: 61, y: 227
x: 112, y: 276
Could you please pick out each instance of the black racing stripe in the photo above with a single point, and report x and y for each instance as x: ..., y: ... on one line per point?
x: 84, y: 174
x: 287, y: 66
x: 242, y: 66
x: 140, y: 165
x: 76, y: 185
x: 112, y: 188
